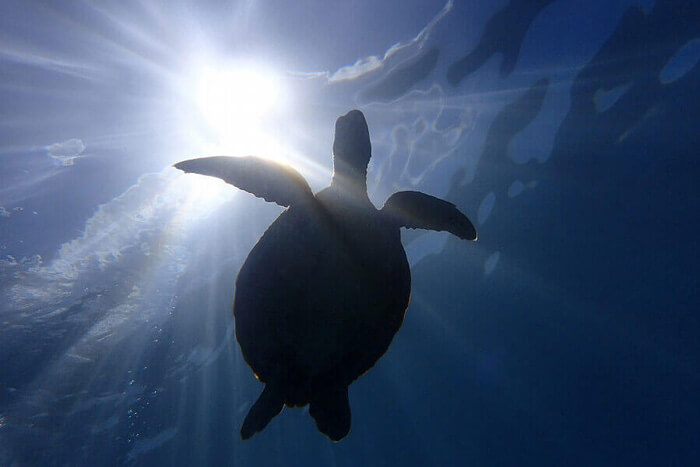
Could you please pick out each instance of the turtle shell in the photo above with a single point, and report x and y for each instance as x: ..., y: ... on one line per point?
x: 321, y: 294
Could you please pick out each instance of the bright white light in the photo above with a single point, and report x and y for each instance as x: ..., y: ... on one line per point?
x: 234, y: 110
x: 202, y: 189
x: 233, y: 101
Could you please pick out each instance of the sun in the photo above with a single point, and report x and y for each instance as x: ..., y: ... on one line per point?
x: 231, y: 110
x: 235, y: 109
x: 235, y: 106
x: 235, y: 97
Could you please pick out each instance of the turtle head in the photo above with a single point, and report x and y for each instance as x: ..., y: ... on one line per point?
x: 351, y: 148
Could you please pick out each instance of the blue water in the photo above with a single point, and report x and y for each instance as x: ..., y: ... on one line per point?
x: 566, y: 130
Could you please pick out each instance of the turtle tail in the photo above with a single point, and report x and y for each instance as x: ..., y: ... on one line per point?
x: 331, y: 410
x: 268, y: 405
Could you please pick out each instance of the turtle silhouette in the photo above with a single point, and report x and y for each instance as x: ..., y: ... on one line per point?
x: 325, y: 289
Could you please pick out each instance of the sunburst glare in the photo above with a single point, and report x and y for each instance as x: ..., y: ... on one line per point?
x: 235, y: 103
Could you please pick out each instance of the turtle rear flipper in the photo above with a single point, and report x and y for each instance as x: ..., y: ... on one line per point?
x: 331, y: 410
x: 268, y: 405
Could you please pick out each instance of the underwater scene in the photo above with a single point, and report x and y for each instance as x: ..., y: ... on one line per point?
x: 566, y: 133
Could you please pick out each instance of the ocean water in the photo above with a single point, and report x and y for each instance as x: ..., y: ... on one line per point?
x: 567, y: 130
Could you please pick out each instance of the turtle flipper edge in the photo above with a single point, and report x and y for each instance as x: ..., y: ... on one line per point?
x: 416, y: 210
x: 267, y: 179
x: 331, y: 410
x: 268, y: 405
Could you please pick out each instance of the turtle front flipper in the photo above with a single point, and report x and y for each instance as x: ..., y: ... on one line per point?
x: 331, y: 410
x: 272, y: 181
x: 268, y: 405
x: 416, y: 210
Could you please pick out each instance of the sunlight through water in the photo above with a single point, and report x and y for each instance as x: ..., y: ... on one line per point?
x: 564, y: 130
x: 235, y: 103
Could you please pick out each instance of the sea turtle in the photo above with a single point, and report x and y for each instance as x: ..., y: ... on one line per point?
x: 322, y: 293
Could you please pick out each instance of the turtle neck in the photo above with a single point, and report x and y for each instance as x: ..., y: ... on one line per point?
x: 349, y: 179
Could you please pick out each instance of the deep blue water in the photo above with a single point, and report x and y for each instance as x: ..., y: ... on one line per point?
x: 567, y: 130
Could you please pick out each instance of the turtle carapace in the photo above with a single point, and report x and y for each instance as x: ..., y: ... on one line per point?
x: 322, y: 293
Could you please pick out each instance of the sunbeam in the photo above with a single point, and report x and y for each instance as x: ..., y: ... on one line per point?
x: 568, y: 135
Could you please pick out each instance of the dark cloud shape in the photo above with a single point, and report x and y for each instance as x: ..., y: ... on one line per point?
x: 628, y: 67
x: 512, y: 119
x: 494, y: 162
x: 504, y: 33
x: 584, y: 338
x: 402, y: 79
